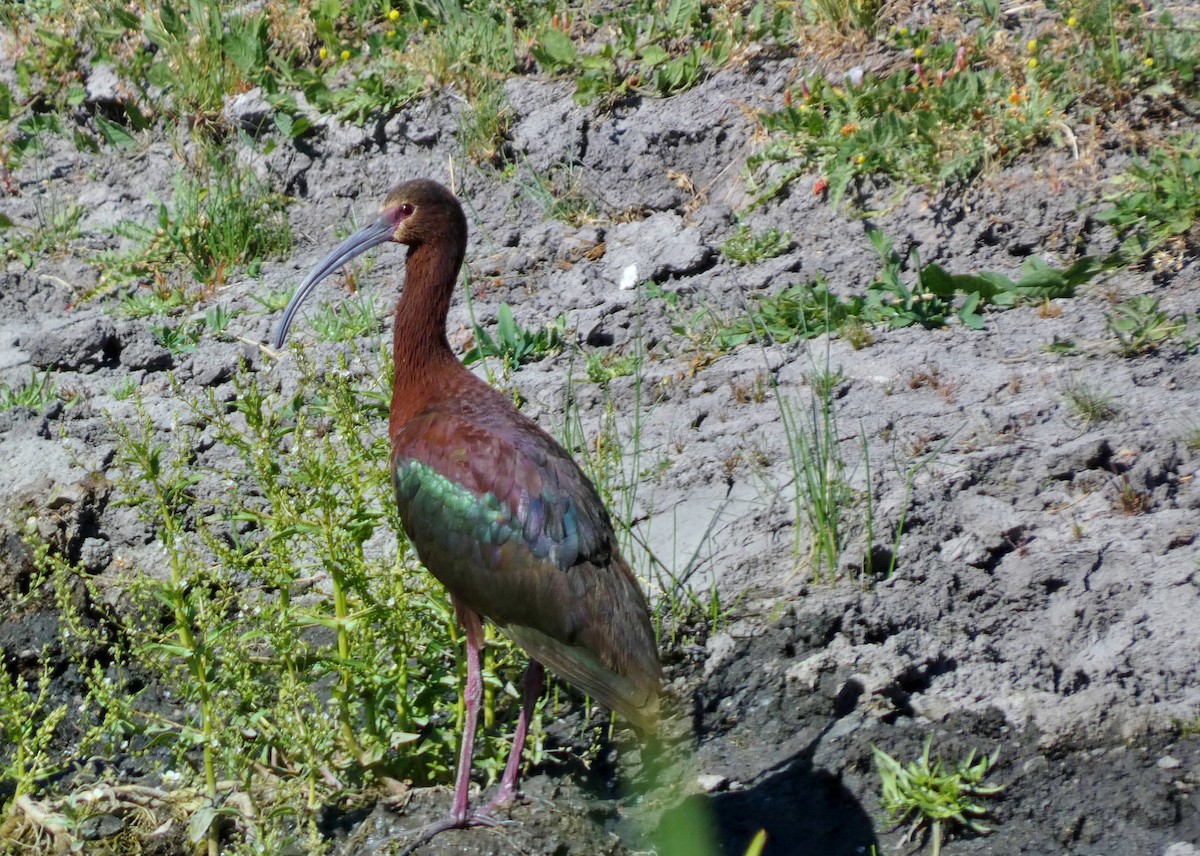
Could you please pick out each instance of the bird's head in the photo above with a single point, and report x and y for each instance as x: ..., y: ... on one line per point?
x: 416, y: 213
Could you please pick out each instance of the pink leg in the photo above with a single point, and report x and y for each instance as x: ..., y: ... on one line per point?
x: 473, y: 696
x: 460, y: 814
x: 534, y: 681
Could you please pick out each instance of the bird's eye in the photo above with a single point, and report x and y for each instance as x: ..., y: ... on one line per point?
x: 406, y: 210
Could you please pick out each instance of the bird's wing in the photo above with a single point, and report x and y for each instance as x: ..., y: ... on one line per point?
x: 503, y: 516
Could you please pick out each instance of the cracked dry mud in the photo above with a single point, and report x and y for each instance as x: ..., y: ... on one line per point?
x: 1029, y: 610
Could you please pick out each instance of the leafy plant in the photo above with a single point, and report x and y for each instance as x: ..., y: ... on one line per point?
x: 802, y: 311
x: 936, y: 799
x: 663, y: 51
x: 745, y: 245
x: 1156, y: 200
x: 341, y: 666
x: 145, y: 303
x: 216, y: 220
x: 33, y: 395
x: 27, y: 724
x: 1141, y: 327
x: 603, y: 367
x: 513, y: 344
x: 932, y: 299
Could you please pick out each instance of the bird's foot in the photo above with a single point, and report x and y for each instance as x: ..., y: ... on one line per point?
x: 482, y: 818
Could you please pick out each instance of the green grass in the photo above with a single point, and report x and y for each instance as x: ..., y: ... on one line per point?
x: 218, y: 220
x: 937, y: 800
x: 348, y: 319
x: 653, y: 48
x: 33, y: 395
x: 513, y: 344
x: 57, y: 224
x: 1091, y: 405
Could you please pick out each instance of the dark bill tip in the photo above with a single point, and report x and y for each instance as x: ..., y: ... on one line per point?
x: 373, y: 235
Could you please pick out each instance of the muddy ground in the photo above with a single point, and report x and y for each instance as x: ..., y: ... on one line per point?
x: 1031, y: 609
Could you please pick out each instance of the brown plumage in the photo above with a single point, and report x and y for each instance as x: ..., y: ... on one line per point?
x: 496, y: 509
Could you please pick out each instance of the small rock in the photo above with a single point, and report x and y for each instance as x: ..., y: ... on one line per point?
x: 711, y: 783
x: 1085, y: 453
x: 966, y: 549
x: 144, y: 354
x: 720, y: 648
x: 103, y: 85
x: 807, y: 673
x: 1168, y: 762
x: 95, y: 554
x: 79, y: 346
x: 1181, y: 848
x: 249, y: 111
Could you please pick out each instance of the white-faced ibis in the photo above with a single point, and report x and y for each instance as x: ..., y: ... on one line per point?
x: 496, y: 509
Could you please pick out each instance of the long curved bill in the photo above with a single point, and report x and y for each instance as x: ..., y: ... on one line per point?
x: 380, y: 231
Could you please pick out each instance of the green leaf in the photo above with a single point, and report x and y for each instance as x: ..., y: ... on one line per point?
x: 199, y: 823
x: 114, y: 134
x: 757, y: 843
x: 555, y: 50
x: 245, y: 43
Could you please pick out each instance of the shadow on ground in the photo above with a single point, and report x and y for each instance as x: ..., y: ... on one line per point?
x: 805, y: 812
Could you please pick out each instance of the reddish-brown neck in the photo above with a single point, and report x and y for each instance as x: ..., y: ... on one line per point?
x: 423, y: 359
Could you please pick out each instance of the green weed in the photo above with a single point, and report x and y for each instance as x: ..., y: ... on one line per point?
x: 151, y: 301
x: 802, y: 311
x: 1141, y: 327
x: 57, y: 224
x: 515, y: 345
x: 746, y: 246
x: 562, y: 194
x: 936, y: 799
x: 1157, y: 201
x: 32, y: 395
x: 938, y: 121
x: 661, y: 49
x: 305, y: 661
x: 844, y: 16
x: 124, y: 390
x: 933, y: 297
x: 216, y: 220
x: 603, y: 367
x: 1090, y: 404
x: 823, y: 495
x: 27, y: 725
x: 1114, y: 50
x: 347, y: 320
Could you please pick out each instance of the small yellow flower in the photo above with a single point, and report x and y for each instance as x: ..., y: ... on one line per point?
x: 1031, y: 46
x: 918, y: 53
x: 1072, y: 21
x: 860, y: 159
x: 323, y: 53
x: 394, y: 15
x: 1148, y: 62
x: 345, y: 55
x: 904, y: 31
x: 1032, y: 62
